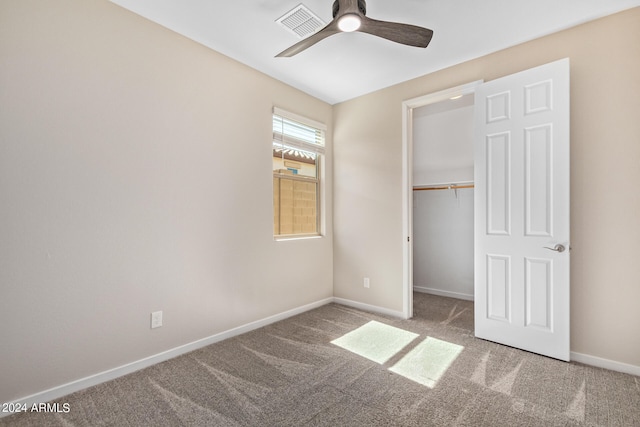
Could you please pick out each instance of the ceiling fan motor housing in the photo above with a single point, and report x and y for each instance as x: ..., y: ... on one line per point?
x: 362, y: 5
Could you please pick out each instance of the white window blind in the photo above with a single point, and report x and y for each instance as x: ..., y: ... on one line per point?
x: 297, y: 132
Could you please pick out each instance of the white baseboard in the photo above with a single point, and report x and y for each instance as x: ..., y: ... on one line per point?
x: 367, y: 307
x: 90, y: 381
x: 424, y: 290
x: 599, y: 362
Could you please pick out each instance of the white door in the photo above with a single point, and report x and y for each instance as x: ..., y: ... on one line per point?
x: 521, y: 151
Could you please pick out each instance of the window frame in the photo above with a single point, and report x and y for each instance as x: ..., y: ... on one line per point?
x: 279, y: 138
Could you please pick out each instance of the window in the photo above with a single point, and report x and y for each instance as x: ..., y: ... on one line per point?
x: 298, y: 147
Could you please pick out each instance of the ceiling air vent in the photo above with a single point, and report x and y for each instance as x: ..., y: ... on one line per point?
x: 301, y: 21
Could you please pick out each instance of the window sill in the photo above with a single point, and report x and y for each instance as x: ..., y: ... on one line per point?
x: 290, y: 237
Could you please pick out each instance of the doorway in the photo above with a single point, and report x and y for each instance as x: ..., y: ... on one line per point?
x: 450, y: 166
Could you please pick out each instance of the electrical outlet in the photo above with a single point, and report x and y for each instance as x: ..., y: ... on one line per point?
x: 366, y: 282
x: 156, y: 319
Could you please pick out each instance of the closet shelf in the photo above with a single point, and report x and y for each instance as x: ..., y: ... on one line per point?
x: 444, y: 187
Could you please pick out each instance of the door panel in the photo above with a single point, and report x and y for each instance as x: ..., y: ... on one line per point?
x: 538, y: 181
x: 498, y: 181
x: 522, y: 210
x: 538, y: 293
x: 499, y: 288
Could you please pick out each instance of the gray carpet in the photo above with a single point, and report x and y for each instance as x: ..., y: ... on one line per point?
x: 290, y: 374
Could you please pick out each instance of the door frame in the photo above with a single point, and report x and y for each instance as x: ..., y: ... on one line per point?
x: 407, y: 182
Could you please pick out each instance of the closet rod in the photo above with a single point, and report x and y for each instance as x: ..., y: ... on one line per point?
x: 446, y: 187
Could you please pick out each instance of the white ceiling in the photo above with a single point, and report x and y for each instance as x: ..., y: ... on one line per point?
x: 348, y: 65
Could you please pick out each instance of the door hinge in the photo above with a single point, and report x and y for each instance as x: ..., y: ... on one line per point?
x: 408, y: 238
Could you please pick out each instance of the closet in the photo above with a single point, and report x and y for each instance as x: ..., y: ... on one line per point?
x: 443, y: 198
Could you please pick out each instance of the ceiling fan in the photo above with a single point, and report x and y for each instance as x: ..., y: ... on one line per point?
x: 350, y: 15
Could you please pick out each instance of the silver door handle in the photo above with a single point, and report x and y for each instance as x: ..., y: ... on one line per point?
x: 557, y: 248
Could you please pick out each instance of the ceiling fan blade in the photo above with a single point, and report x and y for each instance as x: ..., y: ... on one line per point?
x: 410, y: 35
x: 329, y: 30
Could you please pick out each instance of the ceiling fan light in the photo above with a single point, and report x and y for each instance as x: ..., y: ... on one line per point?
x: 349, y: 23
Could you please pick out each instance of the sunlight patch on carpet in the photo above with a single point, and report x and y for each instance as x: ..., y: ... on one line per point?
x: 428, y: 361
x: 375, y: 341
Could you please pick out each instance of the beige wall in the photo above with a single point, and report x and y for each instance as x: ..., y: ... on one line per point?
x: 126, y: 156
x: 605, y: 172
